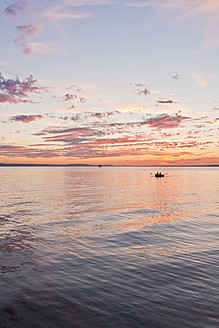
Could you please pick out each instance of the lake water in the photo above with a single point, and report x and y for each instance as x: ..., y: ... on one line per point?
x: 91, y: 247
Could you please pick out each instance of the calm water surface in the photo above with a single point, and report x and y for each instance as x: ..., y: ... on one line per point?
x: 109, y: 247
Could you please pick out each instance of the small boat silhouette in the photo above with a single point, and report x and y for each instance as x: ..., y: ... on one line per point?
x: 159, y: 175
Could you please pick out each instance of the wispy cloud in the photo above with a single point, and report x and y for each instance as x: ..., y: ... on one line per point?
x: 177, y: 77
x: 16, y: 8
x: 107, y: 140
x: 102, y: 133
x: 54, y: 14
x: 140, y: 4
x: 63, y: 10
x: 42, y: 48
x: 206, y: 10
x: 202, y: 80
x: 4, y: 62
x: 61, y: 130
x: 78, y: 3
x: 162, y: 156
x: 72, y: 136
x: 27, y: 31
x: 77, y: 147
x: 27, y: 152
x: 191, y: 7
x: 140, y: 89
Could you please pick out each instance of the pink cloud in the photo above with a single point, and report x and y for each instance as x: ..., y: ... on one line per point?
x: 21, y: 151
x: 56, y: 13
x: 177, y: 77
x: 4, y: 98
x: 42, y: 48
x: 16, y: 8
x: 165, y: 121
x: 14, y: 90
x: 28, y: 31
x: 74, y: 135
x: 26, y: 118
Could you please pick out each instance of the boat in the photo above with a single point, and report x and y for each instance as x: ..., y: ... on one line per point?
x: 159, y: 175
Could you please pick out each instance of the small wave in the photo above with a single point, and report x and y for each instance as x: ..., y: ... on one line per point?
x: 142, y: 211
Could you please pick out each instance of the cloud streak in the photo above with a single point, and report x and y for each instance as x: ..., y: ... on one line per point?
x: 42, y: 48
x: 165, y: 121
x: 113, y: 147
x: 16, y: 151
x: 55, y: 14
x: 25, y: 118
x: 140, y: 4
x: 78, y: 3
x: 206, y: 10
x: 177, y: 77
x: 169, y: 101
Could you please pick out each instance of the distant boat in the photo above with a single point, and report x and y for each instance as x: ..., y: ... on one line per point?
x: 159, y: 175
x: 100, y: 165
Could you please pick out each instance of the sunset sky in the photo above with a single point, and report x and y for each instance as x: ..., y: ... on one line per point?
x: 119, y: 82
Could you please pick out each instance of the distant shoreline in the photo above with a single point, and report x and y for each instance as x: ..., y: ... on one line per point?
x: 92, y: 165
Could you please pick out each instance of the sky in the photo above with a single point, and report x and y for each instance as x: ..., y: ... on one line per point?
x: 109, y: 82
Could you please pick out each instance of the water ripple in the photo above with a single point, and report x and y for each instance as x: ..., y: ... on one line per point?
x: 111, y: 248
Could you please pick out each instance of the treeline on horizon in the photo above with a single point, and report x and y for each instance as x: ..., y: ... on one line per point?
x: 98, y: 165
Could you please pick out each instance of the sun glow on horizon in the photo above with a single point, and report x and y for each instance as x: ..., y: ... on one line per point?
x: 82, y: 90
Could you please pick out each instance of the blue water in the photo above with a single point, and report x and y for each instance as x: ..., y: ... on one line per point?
x: 109, y: 247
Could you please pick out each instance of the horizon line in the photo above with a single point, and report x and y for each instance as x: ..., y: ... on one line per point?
x: 101, y: 165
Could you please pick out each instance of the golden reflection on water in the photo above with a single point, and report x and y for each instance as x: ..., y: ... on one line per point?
x: 94, y: 240
x: 98, y: 200
x: 104, y: 200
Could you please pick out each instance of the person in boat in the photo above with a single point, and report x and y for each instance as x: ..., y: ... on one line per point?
x: 159, y: 175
